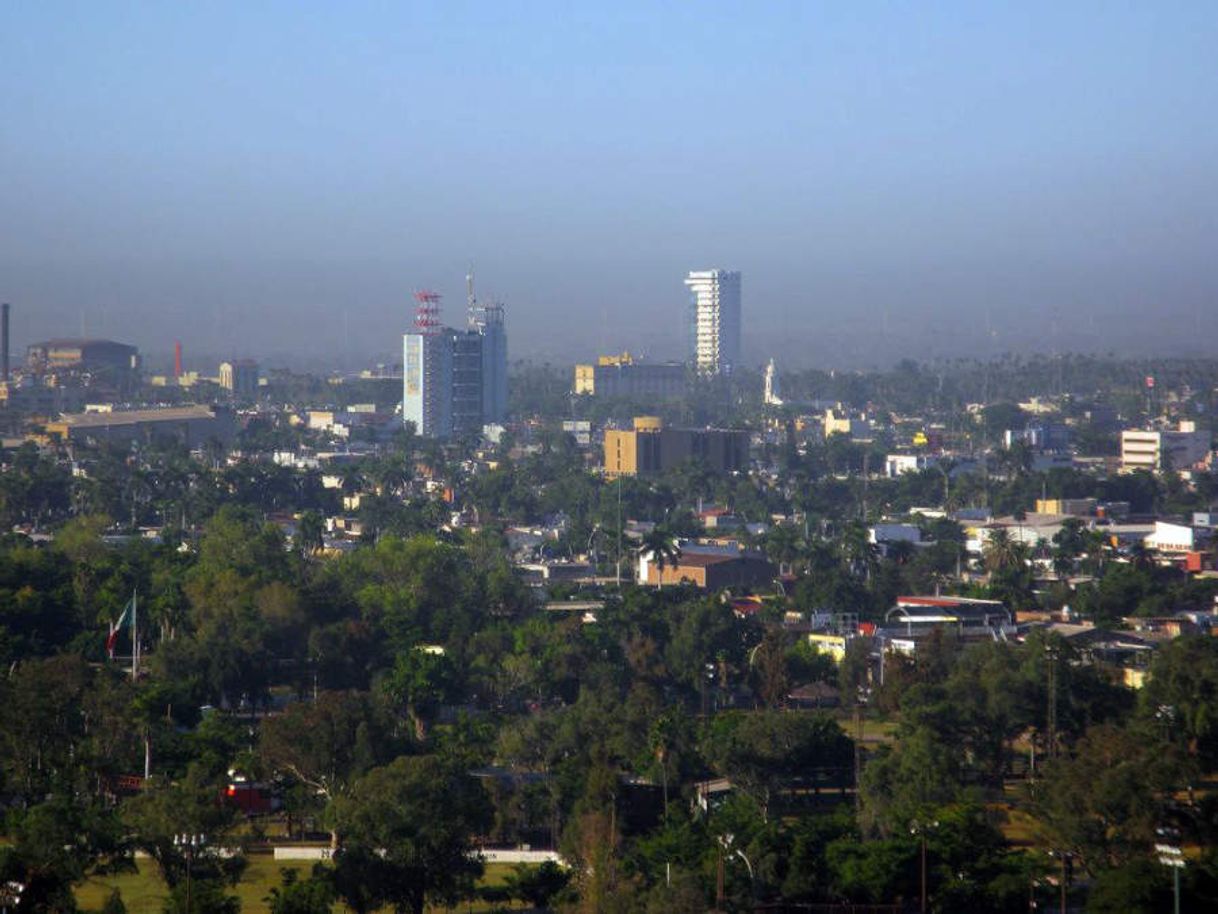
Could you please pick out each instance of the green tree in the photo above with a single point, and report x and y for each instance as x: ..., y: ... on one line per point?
x: 190, y: 806
x: 309, y: 530
x: 1103, y: 802
x: 416, y: 817
x: 58, y: 844
x: 202, y: 896
x: 420, y: 681
x: 329, y: 743
x: 294, y: 895
x: 1183, y: 692
x: 760, y: 751
x: 537, y: 886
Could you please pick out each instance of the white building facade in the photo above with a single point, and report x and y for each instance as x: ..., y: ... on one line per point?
x: 427, y: 383
x: 1153, y: 450
x: 714, y: 321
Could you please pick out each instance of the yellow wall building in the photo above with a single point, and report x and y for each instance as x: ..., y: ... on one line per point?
x: 649, y: 447
x: 624, y: 376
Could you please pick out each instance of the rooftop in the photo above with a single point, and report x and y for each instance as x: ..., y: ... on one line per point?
x: 135, y: 416
x: 68, y: 341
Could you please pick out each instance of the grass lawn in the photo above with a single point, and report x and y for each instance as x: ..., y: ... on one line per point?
x: 143, y: 892
x: 874, y: 731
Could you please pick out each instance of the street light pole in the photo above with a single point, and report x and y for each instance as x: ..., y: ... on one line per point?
x: 1171, y: 854
x: 1063, y: 884
x: 920, y: 829
x: 189, y: 845
x: 923, y: 874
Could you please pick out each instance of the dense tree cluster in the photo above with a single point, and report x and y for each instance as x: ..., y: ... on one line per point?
x: 409, y: 699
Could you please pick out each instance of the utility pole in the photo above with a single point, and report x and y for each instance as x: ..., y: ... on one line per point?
x: 866, y: 476
x: 619, y: 530
x: 858, y: 752
x: 1051, y: 655
x: 135, y: 636
x: 720, y: 895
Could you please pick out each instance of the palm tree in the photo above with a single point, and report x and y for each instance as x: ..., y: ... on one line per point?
x: 857, y: 550
x: 1001, y: 550
x: 782, y: 545
x: 1095, y: 550
x: 661, y: 740
x: 660, y: 546
x: 309, y: 533
x: 1141, y: 556
x: 352, y: 479
x: 392, y: 475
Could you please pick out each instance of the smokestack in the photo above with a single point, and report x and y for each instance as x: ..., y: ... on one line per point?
x: 4, y: 338
x: 177, y: 359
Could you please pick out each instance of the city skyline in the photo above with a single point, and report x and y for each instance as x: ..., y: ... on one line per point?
x: 895, y: 182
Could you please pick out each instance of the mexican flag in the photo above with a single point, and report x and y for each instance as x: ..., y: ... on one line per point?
x: 116, y: 627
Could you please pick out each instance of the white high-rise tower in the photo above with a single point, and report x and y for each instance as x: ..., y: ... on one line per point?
x: 714, y: 320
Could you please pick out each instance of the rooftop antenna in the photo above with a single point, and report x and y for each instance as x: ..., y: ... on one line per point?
x: 471, y: 301
x: 427, y: 312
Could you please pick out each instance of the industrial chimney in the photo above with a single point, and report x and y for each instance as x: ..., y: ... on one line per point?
x: 177, y: 359
x: 4, y: 337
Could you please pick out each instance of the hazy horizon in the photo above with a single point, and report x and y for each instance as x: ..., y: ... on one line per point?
x: 892, y: 181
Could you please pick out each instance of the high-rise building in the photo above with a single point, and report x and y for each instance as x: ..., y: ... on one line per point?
x: 468, y: 361
x: 714, y: 321
x: 427, y: 369
x: 239, y: 377
x: 454, y: 381
x: 487, y: 320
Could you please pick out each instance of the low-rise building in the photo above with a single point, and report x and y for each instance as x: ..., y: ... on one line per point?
x: 713, y: 571
x: 841, y: 421
x: 899, y: 464
x: 81, y: 354
x: 190, y: 425
x: 1155, y: 449
x: 650, y: 448
x: 1073, y: 507
x: 917, y: 616
x: 29, y: 396
x: 624, y: 376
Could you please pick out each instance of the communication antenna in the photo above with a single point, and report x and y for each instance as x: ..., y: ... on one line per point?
x: 471, y: 303
x: 427, y: 312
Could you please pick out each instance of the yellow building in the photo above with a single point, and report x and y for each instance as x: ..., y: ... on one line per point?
x: 649, y: 448
x: 624, y: 376
x: 833, y: 645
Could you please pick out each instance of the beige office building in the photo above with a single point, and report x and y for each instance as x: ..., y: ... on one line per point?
x: 650, y: 448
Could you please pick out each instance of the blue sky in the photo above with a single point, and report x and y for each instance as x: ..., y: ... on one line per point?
x: 893, y: 178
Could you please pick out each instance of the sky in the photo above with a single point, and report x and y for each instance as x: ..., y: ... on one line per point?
x: 275, y: 179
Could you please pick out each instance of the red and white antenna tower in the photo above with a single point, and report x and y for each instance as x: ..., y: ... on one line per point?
x: 427, y: 312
